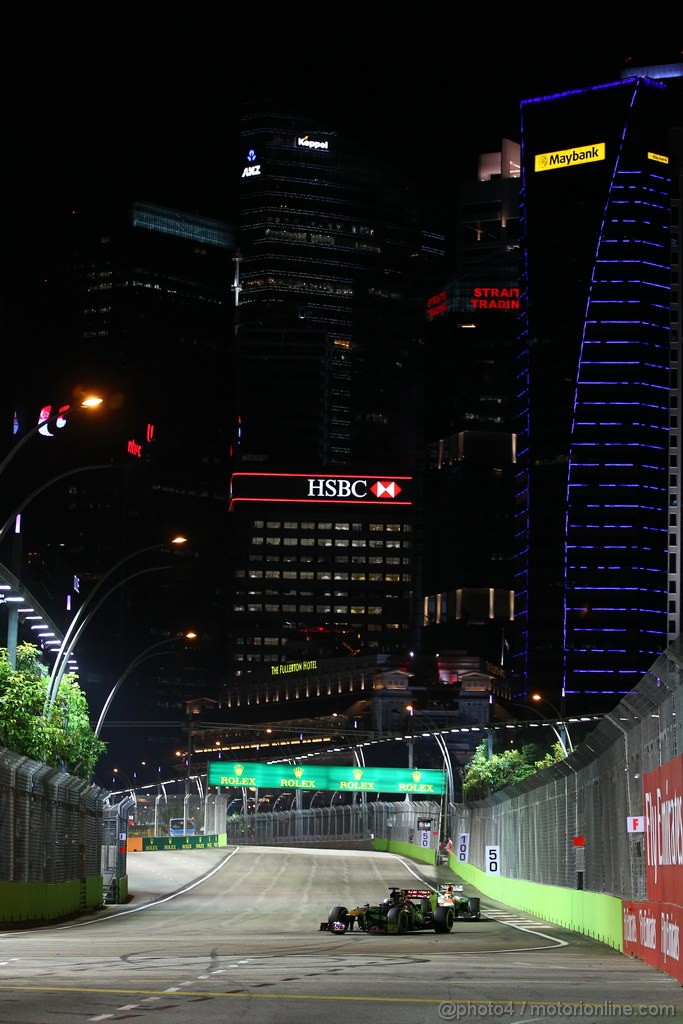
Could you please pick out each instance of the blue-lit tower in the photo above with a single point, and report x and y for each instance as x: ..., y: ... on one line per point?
x: 593, y: 384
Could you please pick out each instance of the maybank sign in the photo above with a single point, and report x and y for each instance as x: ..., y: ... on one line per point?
x: 255, y: 775
x: 570, y: 157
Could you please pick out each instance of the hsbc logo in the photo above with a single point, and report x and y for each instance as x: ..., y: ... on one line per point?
x: 385, y: 489
x: 351, y: 489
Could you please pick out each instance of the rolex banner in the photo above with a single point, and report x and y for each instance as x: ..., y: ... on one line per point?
x: 420, y: 781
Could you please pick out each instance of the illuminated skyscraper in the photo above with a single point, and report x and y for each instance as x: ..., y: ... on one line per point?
x: 337, y: 256
x: 597, y: 532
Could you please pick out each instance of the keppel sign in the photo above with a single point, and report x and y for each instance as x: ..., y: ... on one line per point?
x: 418, y: 781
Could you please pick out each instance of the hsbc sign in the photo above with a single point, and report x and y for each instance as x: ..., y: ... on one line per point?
x: 343, y: 487
x: 299, y: 487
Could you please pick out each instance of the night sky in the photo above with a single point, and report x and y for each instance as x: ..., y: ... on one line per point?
x: 142, y: 101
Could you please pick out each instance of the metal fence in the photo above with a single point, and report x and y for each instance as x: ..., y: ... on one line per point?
x: 59, y: 828
x: 52, y: 823
x: 587, y: 797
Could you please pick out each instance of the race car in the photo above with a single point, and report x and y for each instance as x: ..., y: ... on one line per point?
x: 466, y: 907
x: 404, y: 910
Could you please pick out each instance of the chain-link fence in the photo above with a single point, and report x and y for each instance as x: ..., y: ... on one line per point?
x: 52, y: 823
x: 59, y: 828
x: 567, y: 825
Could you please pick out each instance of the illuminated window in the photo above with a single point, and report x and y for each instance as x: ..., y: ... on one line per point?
x: 358, y: 609
x: 273, y: 541
x: 341, y: 526
x: 341, y: 542
x: 358, y: 576
x: 359, y: 543
x: 374, y: 609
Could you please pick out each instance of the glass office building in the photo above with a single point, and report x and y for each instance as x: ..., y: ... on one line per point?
x: 594, y: 458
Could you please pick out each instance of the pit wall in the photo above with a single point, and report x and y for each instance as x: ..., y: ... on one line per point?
x: 588, y: 913
x: 24, y: 902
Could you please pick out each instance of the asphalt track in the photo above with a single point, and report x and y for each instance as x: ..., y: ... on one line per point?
x: 222, y: 935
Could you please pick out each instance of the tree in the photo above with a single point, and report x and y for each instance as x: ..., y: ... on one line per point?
x: 60, y: 736
x: 485, y: 775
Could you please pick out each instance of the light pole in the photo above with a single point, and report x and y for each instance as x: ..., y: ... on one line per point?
x: 88, y: 609
x: 89, y: 402
x: 437, y: 736
x: 567, y: 745
x: 143, y: 656
x: 15, y: 519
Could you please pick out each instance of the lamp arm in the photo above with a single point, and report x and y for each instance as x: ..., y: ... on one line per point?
x: 71, y: 638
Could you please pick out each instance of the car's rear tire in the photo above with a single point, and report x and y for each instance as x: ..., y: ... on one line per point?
x: 443, y: 919
x: 475, y: 908
x: 397, y: 916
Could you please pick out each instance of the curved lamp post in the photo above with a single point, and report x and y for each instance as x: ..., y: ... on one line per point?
x: 89, y: 402
x: 437, y: 736
x: 88, y: 609
x: 567, y: 744
x: 143, y: 656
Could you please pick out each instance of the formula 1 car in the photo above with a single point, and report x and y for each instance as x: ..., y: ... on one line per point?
x: 404, y: 910
x: 466, y: 907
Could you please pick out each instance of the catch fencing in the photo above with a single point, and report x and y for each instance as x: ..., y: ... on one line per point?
x: 59, y: 828
x: 52, y: 823
x: 567, y: 825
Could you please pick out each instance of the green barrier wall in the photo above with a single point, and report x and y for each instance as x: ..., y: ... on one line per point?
x: 38, y: 901
x: 589, y: 913
x: 405, y: 850
x: 184, y: 842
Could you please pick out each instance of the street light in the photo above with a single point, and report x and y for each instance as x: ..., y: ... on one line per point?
x: 89, y: 402
x: 85, y: 613
x: 568, y: 744
x: 437, y: 736
x: 143, y: 656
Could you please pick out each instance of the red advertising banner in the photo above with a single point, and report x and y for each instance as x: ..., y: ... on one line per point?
x: 651, y: 932
x: 663, y: 813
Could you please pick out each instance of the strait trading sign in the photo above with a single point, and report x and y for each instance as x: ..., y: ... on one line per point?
x: 418, y: 781
x: 328, y: 488
x: 569, y: 157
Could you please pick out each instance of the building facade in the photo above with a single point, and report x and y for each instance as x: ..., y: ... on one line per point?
x: 597, y: 571
x: 337, y: 255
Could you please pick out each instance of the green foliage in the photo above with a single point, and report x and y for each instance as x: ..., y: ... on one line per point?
x: 485, y: 775
x: 60, y: 736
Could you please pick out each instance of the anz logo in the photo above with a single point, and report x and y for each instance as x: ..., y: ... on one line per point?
x: 252, y: 169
